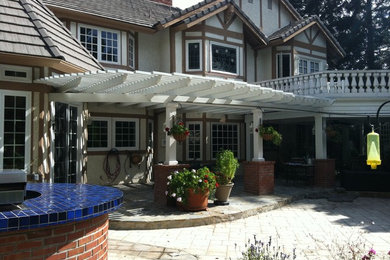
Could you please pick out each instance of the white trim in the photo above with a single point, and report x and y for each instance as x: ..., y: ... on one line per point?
x: 187, y: 42
x: 136, y: 121
x: 27, y: 70
x: 100, y: 29
x: 109, y: 137
x: 238, y: 58
x: 27, y: 147
x: 52, y: 139
x: 201, y: 140
x: 131, y: 37
x: 238, y: 138
x: 280, y: 67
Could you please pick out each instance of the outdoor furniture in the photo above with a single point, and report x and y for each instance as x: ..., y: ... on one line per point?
x: 299, y: 172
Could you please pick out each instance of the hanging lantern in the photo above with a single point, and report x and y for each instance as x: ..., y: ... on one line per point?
x: 373, y: 150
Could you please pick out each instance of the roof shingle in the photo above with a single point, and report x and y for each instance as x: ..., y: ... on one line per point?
x: 139, y: 12
x: 27, y: 27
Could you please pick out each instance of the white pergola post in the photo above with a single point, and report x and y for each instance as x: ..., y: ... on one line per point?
x: 320, y: 137
x: 257, y: 140
x: 170, y: 144
x: 248, y: 131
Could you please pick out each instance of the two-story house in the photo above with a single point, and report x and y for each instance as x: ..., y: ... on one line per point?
x: 163, y: 64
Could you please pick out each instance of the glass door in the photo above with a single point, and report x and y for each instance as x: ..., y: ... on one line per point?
x: 65, y: 143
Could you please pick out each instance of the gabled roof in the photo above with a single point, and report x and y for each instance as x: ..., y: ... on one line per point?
x: 203, y: 10
x: 27, y: 27
x: 139, y: 12
x: 286, y: 33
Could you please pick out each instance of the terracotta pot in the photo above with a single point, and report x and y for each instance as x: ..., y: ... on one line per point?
x: 180, y: 137
x: 195, y: 201
x: 223, y: 192
x: 267, y: 137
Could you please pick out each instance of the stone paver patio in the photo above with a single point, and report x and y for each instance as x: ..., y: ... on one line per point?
x: 313, y: 226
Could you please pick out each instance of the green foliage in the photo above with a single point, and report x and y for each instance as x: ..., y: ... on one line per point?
x: 361, y: 27
x: 269, y: 130
x: 178, y: 129
x: 199, y: 180
x: 226, y: 166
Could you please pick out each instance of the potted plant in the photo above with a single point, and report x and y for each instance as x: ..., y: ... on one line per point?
x: 191, y: 189
x: 226, y: 166
x: 178, y: 131
x: 268, y: 133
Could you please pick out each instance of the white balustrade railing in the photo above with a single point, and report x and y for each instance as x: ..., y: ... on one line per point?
x: 334, y: 83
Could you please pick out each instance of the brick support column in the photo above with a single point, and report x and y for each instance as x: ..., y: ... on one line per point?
x: 324, y: 173
x: 259, y: 177
x: 161, y: 172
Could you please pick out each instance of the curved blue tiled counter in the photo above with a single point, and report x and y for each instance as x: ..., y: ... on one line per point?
x: 61, y: 203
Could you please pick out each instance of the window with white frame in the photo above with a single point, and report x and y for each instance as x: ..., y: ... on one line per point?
x: 314, y: 66
x: 102, y: 43
x: 16, y: 73
x: 194, y: 141
x: 125, y: 133
x: 107, y: 133
x: 194, y: 55
x: 302, y: 66
x: 224, y: 58
x: 308, y: 66
x: 283, y: 65
x: 224, y: 136
x: 15, y: 130
x: 99, y: 134
x: 131, y: 51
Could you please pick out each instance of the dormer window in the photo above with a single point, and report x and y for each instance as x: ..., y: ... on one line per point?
x: 224, y: 58
x: 102, y: 43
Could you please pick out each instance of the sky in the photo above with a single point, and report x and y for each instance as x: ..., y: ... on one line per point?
x: 184, y: 3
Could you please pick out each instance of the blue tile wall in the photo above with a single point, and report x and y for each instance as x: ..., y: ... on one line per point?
x: 61, y: 203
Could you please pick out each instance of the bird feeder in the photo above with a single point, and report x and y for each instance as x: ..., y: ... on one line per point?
x: 373, y: 150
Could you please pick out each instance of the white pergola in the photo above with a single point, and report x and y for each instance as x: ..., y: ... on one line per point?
x: 154, y: 90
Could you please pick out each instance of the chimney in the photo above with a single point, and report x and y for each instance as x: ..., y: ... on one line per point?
x: 167, y: 2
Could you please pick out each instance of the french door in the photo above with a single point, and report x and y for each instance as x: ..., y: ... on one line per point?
x: 66, y: 130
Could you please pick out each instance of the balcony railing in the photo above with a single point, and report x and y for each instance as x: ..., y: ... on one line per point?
x: 334, y: 83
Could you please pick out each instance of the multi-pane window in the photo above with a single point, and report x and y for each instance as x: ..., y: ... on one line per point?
x: 283, y: 67
x: 131, y: 52
x: 224, y: 58
x: 125, y: 133
x: 302, y: 66
x: 106, y: 133
x: 98, y: 134
x: 314, y: 66
x: 308, y: 66
x: 103, y: 44
x: 194, y: 141
x: 194, y: 55
x: 14, y: 132
x: 224, y: 136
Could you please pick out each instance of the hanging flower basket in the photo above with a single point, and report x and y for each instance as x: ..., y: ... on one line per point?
x: 268, y: 133
x: 178, y: 131
x: 267, y: 137
x: 180, y: 137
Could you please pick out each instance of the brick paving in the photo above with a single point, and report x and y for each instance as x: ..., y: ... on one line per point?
x: 313, y: 227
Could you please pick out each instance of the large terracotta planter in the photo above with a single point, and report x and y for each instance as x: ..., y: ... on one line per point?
x: 222, y: 193
x: 195, y: 201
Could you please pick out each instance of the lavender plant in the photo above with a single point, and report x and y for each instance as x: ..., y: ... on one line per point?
x: 259, y: 250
